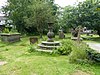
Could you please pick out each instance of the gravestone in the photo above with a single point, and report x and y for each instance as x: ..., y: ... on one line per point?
x: 61, y: 33
x: 76, y: 32
x: 33, y: 40
x: 2, y: 28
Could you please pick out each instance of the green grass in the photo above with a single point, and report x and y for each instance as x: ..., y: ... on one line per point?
x: 94, y: 38
x: 21, y: 62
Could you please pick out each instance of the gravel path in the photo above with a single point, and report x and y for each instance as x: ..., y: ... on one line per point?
x: 94, y: 46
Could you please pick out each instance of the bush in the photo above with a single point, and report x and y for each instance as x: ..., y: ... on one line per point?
x: 13, y: 30
x: 31, y: 49
x: 65, y: 49
x: 78, y: 52
x: 93, y: 55
x: 6, y: 30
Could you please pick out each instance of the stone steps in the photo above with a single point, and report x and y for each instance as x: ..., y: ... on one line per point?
x: 47, y: 47
x: 57, y: 43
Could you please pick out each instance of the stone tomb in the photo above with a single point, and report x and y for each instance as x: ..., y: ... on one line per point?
x: 6, y: 37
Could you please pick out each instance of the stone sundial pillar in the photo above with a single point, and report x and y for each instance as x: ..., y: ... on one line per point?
x: 50, y: 34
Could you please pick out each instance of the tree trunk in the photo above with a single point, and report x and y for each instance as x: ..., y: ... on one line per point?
x: 40, y: 35
x: 40, y: 32
x: 98, y: 32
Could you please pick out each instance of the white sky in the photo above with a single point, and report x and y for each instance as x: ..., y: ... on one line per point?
x: 61, y: 3
x: 2, y: 2
x: 64, y: 3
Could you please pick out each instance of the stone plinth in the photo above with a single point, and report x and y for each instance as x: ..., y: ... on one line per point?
x: 49, y: 45
x: 6, y: 37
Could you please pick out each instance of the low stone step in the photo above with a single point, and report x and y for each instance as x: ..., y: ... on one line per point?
x: 56, y: 43
x: 47, y: 47
x: 41, y: 50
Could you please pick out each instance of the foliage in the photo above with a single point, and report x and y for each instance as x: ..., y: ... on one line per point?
x: 65, y: 17
x: 21, y: 13
x: 13, y: 30
x: 65, y: 48
x: 6, y: 30
x: 93, y: 55
x: 15, y: 10
x: 78, y: 53
x: 41, y: 14
x: 85, y: 14
x: 31, y: 49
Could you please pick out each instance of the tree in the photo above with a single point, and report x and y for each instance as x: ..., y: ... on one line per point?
x: 20, y: 11
x: 15, y: 10
x: 40, y: 14
x: 64, y: 17
x: 84, y: 14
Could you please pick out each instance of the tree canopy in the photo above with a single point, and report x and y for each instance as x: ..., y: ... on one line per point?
x: 84, y: 14
x: 33, y: 15
x: 30, y: 15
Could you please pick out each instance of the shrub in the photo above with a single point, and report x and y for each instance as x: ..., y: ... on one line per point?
x: 65, y: 49
x: 6, y: 30
x: 13, y: 30
x: 2, y: 58
x: 78, y: 52
x: 31, y: 49
x: 93, y: 55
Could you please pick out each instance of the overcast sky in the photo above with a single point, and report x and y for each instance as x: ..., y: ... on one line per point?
x: 64, y: 3
x: 61, y: 3
x: 2, y: 2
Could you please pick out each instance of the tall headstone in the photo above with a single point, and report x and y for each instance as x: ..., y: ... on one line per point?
x: 61, y: 33
x: 76, y: 32
x: 2, y: 28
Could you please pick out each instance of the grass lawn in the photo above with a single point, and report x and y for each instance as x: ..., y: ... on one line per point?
x: 21, y: 62
x: 93, y: 39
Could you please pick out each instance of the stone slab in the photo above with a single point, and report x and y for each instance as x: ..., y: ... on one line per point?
x: 3, y: 62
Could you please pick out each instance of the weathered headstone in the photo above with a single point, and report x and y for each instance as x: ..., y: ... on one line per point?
x: 61, y: 33
x: 33, y: 40
x: 79, y: 31
x: 76, y: 34
x: 2, y: 28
